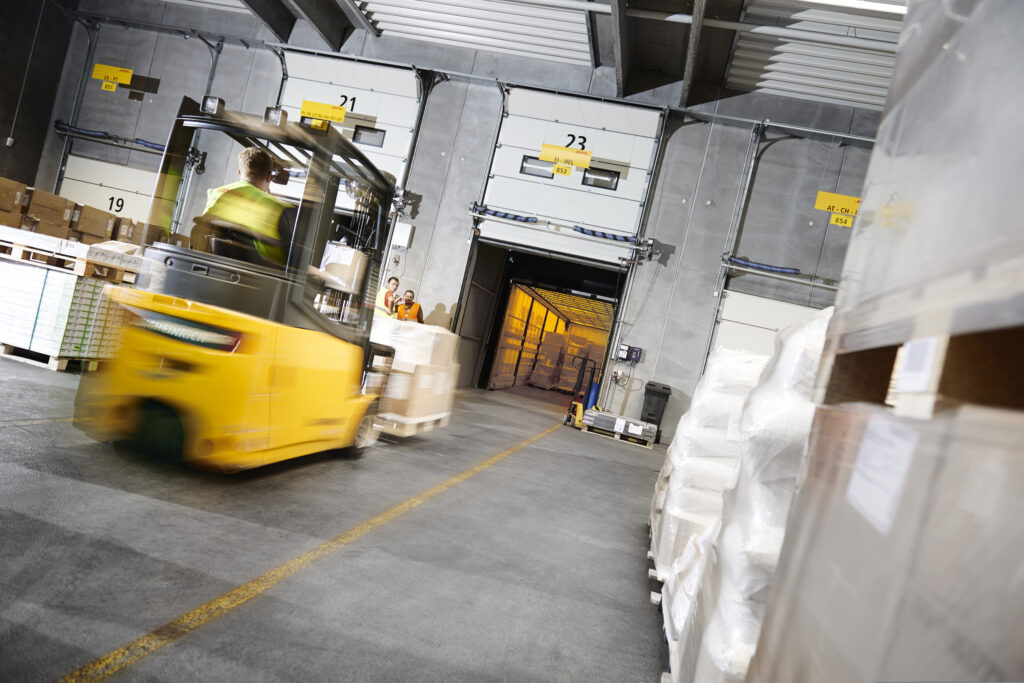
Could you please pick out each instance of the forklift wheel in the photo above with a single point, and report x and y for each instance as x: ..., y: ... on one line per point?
x: 366, y: 436
x: 160, y: 432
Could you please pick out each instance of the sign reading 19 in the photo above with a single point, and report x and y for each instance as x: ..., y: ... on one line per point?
x: 116, y: 203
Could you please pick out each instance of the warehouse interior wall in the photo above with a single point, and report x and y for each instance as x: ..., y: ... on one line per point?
x: 671, y: 303
x: 670, y: 311
x: 41, y: 78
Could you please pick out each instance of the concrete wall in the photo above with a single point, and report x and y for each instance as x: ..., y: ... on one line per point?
x: 18, y: 22
x: 670, y: 311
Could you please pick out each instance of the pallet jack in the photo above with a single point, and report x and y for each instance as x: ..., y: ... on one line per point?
x: 581, y: 391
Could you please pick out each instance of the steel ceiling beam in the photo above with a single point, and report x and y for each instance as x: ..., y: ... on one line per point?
x: 356, y: 16
x: 691, y: 50
x: 621, y: 44
x: 327, y: 18
x: 275, y: 15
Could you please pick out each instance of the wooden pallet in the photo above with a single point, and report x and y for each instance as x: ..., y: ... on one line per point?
x: 391, y: 424
x: 54, y: 363
x: 635, y: 440
x: 932, y: 374
x: 73, y: 264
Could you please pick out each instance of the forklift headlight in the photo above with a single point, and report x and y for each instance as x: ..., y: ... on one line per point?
x: 275, y: 116
x: 212, y: 105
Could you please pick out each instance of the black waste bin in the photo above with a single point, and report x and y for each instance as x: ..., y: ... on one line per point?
x: 655, y: 397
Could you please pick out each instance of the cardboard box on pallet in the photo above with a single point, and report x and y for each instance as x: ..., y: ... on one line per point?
x: 86, y: 238
x: 129, y: 231
x: 901, y: 547
x: 89, y: 221
x: 426, y: 392
x: 48, y: 214
x: 13, y: 199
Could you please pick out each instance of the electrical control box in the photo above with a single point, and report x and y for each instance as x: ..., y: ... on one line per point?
x: 629, y: 354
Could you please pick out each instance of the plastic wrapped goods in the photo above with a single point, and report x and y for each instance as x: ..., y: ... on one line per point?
x: 773, y: 436
x: 703, y: 456
x: 686, y: 512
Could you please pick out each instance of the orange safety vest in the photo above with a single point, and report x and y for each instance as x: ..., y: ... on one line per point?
x: 410, y: 313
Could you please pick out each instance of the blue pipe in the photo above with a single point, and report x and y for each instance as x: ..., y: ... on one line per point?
x: 763, y: 266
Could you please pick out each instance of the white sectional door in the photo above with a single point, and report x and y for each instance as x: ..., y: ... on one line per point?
x: 607, y: 198
x: 382, y: 108
x: 123, y: 191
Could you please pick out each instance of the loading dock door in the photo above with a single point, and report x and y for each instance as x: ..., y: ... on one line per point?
x: 382, y: 108
x: 573, y: 206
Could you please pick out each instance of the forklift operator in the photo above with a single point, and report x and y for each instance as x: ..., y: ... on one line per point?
x: 249, y: 203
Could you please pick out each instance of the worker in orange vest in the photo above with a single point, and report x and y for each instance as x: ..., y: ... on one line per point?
x: 408, y: 309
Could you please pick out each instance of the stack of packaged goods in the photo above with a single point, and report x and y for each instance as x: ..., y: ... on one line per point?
x: 57, y: 314
x: 548, y: 365
x: 424, y: 371
x: 58, y: 256
x: 13, y: 201
x: 902, y: 555
x: 575, y: 347
x: 774, y: 428
x: 686, y: 512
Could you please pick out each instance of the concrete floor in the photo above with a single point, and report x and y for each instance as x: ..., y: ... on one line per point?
x: 532, y: 570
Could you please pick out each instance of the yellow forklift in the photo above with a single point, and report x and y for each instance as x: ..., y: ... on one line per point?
x: 229, y: 361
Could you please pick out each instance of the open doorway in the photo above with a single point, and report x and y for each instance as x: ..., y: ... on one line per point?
x: 532, y: 320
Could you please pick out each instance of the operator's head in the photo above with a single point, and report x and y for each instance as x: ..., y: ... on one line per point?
x: 255, y: 165
x: 410, y: 295
x: 393, y: 283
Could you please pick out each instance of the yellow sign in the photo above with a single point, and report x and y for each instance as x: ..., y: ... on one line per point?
x: 841, y: 220
x: 115, y: 74
x: 109, y: 86
x: 837, y: 203
x: 322, y: 111
x: 565, y: 156
x: 562, y: 169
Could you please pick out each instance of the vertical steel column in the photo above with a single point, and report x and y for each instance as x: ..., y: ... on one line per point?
x: 92, y: 30
x: 738, y: 211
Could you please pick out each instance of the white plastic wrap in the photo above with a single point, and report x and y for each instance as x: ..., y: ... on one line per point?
x: 773, y: 438
x: 686, y: 512
x: 703, y: 457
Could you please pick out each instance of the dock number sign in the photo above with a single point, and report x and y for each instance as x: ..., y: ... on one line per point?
x: 565, y: 156
x: 111, y: 76
x: 837, y: 203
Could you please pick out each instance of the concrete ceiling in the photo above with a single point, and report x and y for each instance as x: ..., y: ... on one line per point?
x: 838, y: 51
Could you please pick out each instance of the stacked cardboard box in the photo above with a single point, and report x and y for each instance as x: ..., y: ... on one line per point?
x: 575, y: 347
x: 548, y: 365
x: 13, y: 201
x: 92, y: 226
x: 129, y: 231
x: 421, y: 385
x: 48, y: 214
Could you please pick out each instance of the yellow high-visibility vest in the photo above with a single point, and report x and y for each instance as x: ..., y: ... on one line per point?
x: 380, y: 306
x: 248, y: 205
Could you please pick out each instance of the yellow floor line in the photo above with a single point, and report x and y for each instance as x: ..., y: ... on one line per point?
x: 132, y: 652
x: 40, y: 421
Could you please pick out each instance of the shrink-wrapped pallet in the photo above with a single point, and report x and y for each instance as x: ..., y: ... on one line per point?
x: 774, y: 428
x: 686, y: 512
